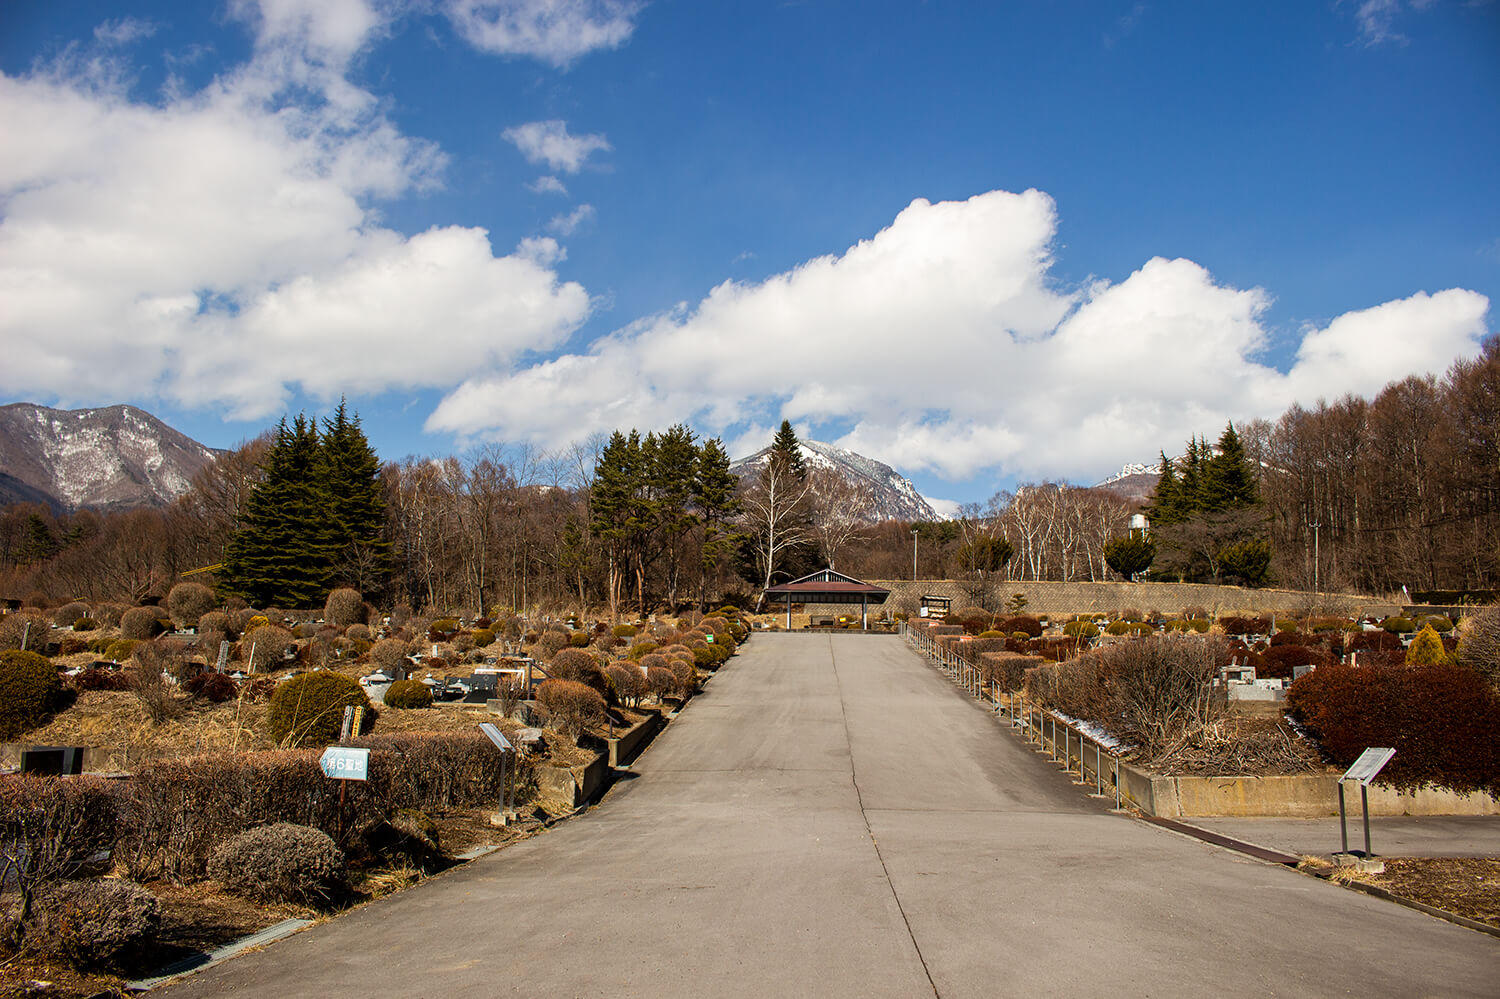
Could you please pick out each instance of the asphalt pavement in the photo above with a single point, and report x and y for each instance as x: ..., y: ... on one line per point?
x: 831, y: 817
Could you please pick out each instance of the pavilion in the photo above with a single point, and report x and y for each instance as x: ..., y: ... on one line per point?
x: 828, y: 587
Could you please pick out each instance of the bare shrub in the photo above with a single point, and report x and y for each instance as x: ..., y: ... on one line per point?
x: 661, y: 681
x: 686, y: 675
x: 282, y: 862
x: 389, y: 654
x: 266, y: 647
x: 548, y: 644
x: 629, y: 683
x: 1479, y: 643
x: 141, y: 623
x: 580, y: 666
x: 92, y: 924
x: 51, y: 828
x: 345, y: 607
x: 26, y: 630
x: 357, y: 632
x: 189, y: 601
x: 65, y: 615
x: 148, y: 681
x: 572, y: 706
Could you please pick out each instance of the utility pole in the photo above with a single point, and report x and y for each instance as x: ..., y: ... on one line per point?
x: 913, y: 554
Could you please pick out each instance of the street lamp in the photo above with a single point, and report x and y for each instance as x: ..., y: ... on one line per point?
x: 913, y: 554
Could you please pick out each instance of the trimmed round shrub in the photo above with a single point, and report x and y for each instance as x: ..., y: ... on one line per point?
x: 625, y: 630
x: 65, y: 615
x: 344, y: 607
x: 1439, y: 623
x: 141, y: 623
x: 640, y: 650
x: 189, y: 601
x: 1281, y: 660
x: 91, y: 924
x: 1080, y: 629
x: 357, y: 632
x: 1129, y: 628
x: 108, y: 615
x: 213, y: 687
x: 265, y: 647
x: 443, y: 629
x: 281, y: 862
x: 31, y: 692
x: 570, y: 705
x: 548, y: 644
x: 31, y: 626
x: 629, y: 682
x: 215, y: 627
x: 308, y: 709
x: 122, y: 649
x: 483, y: 638
x: 101, y: 679
x: 389, y: 653
x: 1426, y: 649
x: 254, y: 621
x: 408, y: 694
x: 580, y: 666
x: 85, y: 624
x: 1398, y: 625
x: 661, y: 681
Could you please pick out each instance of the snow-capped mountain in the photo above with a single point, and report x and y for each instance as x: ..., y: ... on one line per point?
x: 1135, y: 482
x: 115, y: 458
x: 894, y: 497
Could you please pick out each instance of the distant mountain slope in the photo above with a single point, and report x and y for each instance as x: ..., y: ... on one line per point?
x: 1135, y: 482
x: 115, y: 458
x: 895, y: 497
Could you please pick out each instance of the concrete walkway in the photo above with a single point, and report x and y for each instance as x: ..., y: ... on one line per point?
x: 1390, y: 836
x: 833, y: 818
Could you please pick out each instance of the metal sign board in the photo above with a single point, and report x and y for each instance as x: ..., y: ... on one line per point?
x: 223, y: 656
x: 496, y: 736
x: 345, y: 764
x: 1368, y: 765
x: 709, y: 639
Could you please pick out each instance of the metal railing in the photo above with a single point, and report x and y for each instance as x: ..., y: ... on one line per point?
x: 1077, y: 751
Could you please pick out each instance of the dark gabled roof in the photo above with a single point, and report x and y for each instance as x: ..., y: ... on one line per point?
x: 827, y: 586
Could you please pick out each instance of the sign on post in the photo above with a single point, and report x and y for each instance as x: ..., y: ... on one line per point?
x: 223, y: 656
x: 345, y: 764
x: 496, y: 736
x: 1368, y: 765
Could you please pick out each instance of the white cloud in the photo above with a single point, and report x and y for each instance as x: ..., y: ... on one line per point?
x: 566, y: 225
x: 945, y: 508
x: 554, y: 31
x: 944, y: 344
x: 548, y: 185
x: 1376, y: 19
x: 123, y: 31
x: 549, y: 142
x: 223, y: 247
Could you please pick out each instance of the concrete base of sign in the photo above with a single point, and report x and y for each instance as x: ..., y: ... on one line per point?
x: 1357, y: 860
x: 502, y: 819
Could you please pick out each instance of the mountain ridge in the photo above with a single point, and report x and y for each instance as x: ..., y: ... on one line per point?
x: 895, y: 498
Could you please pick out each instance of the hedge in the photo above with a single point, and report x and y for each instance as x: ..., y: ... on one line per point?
x: 1440, y: 719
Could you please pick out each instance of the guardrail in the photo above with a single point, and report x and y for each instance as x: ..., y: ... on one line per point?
x: 1048, y: 733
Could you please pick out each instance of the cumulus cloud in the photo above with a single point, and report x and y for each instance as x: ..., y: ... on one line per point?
x: 554, y: 31
x: 549, y: 142
x: 224, y: 247
x: 943, y: 345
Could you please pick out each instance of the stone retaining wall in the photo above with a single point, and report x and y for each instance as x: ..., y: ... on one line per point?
x: 1170, y: 598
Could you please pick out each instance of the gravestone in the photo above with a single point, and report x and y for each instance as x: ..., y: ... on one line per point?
x: 52, y: 760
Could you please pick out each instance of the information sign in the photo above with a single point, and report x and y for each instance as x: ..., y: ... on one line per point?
x: 223, y: 656
x: 496, y: 736
x: 1368, y: 765
x: 345, y: 764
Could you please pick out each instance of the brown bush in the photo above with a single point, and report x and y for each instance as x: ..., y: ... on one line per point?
x: 389, y: 654
x: 189, y: 601
x: 629, y: 683
x: 281, y: 862
x: 64, y: 616
x: 141, y: 623
x: 345, y: 607
x: 32, y: 627
x: 1007, y: 670
x: 266, y: 647
x: 579, y: 666
x: 687, y: 677
x: 1279, y: 660
x: 213, y: 687
x: 548, y: 644
x: 1237, y: 625
x: 108, y: 615
x: 93, y: 924
x: 1479, y: 643
x: 1372, y: 641
x: 51, y: 829
x: 408, y: 694
x: 661, y: 681
x: 570, y: 705
x: 1024, y: 623
x: 1441, y: 720
x: 101, y: 679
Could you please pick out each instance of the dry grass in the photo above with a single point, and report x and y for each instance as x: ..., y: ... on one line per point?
x: 114, y: 722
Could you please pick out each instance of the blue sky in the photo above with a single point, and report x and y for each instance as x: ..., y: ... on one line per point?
x: 987, y: 243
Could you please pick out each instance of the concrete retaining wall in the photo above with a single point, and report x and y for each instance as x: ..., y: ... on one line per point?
x: 1092, y: 598
x: 575, y: 784
x: 630, y: 743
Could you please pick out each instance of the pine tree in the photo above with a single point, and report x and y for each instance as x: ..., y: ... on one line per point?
x: 612, y: 507
x: 283, y: 552
x: 356, y: 502
x: 1229, y: 479
x: 1166, y: 504
x: 39, y: 544
x: 673, y: 480
x: 715, y: 494
x: 785, y: 448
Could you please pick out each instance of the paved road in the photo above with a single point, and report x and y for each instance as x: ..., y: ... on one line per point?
x: 833, y: 818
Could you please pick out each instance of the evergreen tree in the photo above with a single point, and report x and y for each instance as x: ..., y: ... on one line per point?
x: 613, y: 507
x: 1166, y: 504
x: 715, y: 492
x: 786, y: 449
x: 39, y: 544
x: 1229, y: 480
x: 283, y: 552
x: 1129, y: 555
x: 673, y: 481
x: 356, y: 502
